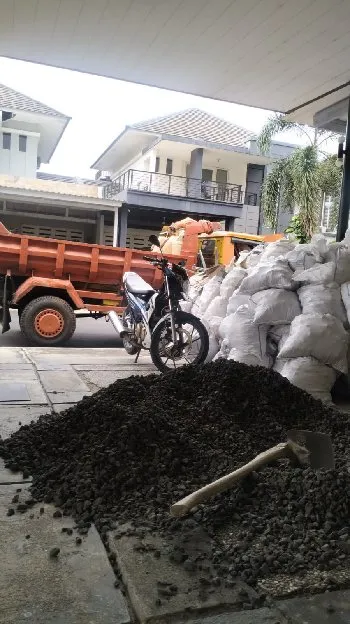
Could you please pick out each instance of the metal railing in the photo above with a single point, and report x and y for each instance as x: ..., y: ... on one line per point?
x: 149, y: 182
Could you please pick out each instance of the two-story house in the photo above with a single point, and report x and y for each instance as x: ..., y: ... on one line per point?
x: 189, y: 163
x: 39, y: 204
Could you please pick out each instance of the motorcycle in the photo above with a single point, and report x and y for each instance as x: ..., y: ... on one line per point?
x: 153, y: 320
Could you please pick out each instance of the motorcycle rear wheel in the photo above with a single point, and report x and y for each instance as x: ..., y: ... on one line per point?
x: 192, y: 343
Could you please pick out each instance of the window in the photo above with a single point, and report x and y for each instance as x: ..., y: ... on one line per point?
x: 169, y: 166
x: 22, y: 143
x: 6, y: 141
x: 157, y: 165
x: 207, y: 175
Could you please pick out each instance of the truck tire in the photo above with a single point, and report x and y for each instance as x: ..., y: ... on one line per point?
x: 48, y: 322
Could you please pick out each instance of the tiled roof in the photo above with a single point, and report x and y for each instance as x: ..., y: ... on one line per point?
x: 11, y: 100
x: 194, y: 123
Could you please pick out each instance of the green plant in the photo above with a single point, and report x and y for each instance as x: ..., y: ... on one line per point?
x: 301, y: 180
x: 296, y: 228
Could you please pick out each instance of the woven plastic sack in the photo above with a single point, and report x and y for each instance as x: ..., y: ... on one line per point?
x: 275, y: 306
x: 242, y: 334
x: 303, y: 257
x: 231, y: 282
x: 209, y: 292
x: 342, y: 262
x: 318, y: 274
x: 276, y: 337
x: 236, y: 301
x: 312, y: 376
x: 250, y: 359
x: 275, y: 274
x: 224, y: 351
x: 217, y: 307
x: 214, y: 348
x: 277, y: 249
x: 321, y: 336
x: 345, y: 295
x: 322, y: 299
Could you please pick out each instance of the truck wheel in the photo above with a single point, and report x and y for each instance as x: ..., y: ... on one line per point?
x: 48, y: 321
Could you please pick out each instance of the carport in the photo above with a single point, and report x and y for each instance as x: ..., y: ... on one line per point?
x: 287, y: 56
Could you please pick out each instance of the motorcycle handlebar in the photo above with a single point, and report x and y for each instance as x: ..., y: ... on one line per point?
x: 150, y: 259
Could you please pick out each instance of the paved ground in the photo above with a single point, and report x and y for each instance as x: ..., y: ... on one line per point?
x: 78, y: 586
x: 89, y: 333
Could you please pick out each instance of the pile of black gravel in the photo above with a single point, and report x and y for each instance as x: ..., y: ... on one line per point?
x: 132, y: 449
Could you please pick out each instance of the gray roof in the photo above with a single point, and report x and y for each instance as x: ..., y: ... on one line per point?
x: 194, y: 123
x: 55, y: 177
x: 12, y: 100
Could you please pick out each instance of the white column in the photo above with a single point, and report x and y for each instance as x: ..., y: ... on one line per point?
x: 115, y: 227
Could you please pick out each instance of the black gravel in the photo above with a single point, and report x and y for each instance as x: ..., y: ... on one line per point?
x: 129, y: 451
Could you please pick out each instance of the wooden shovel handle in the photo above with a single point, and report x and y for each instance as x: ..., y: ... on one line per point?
x: 183, y: 506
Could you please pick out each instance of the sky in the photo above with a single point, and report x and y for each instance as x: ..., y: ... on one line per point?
x: 100, y: 109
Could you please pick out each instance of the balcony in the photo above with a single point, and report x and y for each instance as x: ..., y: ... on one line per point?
x: 176, y: 186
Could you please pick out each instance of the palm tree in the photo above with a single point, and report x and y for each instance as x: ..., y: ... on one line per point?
x: 299, y: 181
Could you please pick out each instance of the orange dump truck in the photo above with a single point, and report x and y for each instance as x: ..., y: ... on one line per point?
x: 47, y: 280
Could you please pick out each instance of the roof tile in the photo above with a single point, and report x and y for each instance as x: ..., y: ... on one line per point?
x: 194, y: 123
x: 11, y: 100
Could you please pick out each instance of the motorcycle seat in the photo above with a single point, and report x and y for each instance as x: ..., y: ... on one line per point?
x: 136, y: 285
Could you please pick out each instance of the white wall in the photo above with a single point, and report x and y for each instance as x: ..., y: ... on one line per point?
x: 16, y: 163
x: 180, y: 153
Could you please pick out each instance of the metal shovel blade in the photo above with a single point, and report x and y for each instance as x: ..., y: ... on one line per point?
x: 318, y: 445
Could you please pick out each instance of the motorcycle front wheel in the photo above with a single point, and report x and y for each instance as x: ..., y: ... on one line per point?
x: 192, y: 343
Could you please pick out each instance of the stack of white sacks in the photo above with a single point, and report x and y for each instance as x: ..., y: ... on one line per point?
x: 284, y: 306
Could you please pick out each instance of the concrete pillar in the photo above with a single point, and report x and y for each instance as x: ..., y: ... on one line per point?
x: 344, y: 208
x: 123, y: 226
x: 195, y: 173
x: 230, y: 225
x: 100, y: 229
x: 115, y: 227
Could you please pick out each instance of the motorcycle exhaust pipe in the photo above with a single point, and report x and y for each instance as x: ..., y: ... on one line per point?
x: 117, y: 323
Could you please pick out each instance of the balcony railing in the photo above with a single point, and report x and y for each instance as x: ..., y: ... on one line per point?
x: 149, y: 182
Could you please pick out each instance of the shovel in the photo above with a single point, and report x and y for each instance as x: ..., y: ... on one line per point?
x: 302, y: 447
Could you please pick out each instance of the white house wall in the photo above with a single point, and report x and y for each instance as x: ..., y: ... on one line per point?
x: 180, y: 153
x: 16, y: 163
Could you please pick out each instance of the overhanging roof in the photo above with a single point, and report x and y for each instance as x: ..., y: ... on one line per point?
x: 273, y: 54
x: 29, y: 114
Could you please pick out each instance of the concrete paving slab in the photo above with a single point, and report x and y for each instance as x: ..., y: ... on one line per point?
x: 160, y: 589
x: 22, y: 375
x: 13, y: 417
x: 13, y: 392
x: 77, y: 587
x: 53, y: 367
x: 37, y: 395
x: 43, y: 356
x: 67, y: 397
x: 257, y: 616
x: 101, y: 379
x: 330, y: 608
x: 117, y: 366
x: 61, y: 407
x: 11, y: 355
x: 14, y: 366
x: 8, y: 477
x: 62, y: 381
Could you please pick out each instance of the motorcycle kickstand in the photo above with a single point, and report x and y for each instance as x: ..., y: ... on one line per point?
x: 137, y: 356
